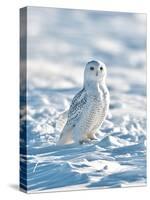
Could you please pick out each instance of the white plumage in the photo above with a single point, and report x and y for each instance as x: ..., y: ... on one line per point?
x: 89, y: 107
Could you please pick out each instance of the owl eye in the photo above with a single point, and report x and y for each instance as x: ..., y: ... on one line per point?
x: 92, y: 68
x: 101, y: 68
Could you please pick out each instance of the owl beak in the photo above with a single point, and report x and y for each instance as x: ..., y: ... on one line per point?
x: 96, y: 73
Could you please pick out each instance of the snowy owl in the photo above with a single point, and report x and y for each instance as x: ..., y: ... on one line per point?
x: 89, y: 107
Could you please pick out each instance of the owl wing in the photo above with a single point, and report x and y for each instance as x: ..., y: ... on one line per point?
x: 74, y: 114
x: 76, y: 107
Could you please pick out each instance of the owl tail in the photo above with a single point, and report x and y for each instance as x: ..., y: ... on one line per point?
x: 65, y: 137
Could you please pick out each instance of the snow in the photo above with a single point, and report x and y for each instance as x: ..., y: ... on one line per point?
x: 60, y: 42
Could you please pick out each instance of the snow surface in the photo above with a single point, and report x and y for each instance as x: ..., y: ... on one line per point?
x: 60, y: 42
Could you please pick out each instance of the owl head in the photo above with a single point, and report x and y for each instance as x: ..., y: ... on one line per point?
x: 95, y: 71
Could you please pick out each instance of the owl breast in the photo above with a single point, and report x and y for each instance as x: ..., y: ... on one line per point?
x: 97, y: 109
